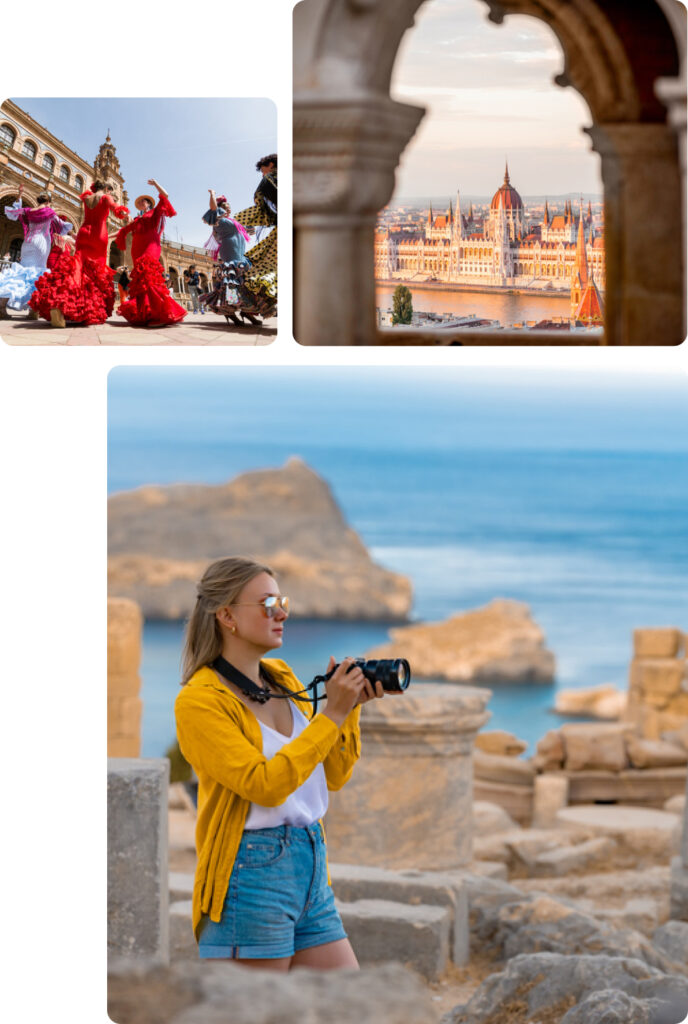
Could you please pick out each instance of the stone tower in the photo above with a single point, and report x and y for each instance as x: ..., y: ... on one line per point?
x: 106, y: 167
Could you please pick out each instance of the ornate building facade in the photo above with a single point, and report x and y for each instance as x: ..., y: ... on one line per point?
x: 31, y: 155
x: 505, y: 250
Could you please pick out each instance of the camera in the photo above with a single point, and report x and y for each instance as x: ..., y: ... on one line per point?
x: 393, y: 673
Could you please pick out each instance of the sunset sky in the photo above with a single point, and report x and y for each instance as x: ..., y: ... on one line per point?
x: 489, y: 94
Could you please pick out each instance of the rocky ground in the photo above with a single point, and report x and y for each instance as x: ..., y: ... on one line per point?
x: 591, y: 944
x: 208, y: 329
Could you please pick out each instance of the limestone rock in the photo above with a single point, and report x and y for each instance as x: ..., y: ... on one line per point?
x: 495, y: 768
x: 672, y: 940
x: 606, y: 702
x: 676, y: 804
x: 679, y: 737
x: 557, y: 986
x: 641, y: 831
x: 550, y: 753
x: 497, y: 741
x: 489, y: 818
x: 595, y: 746
x: 162, y: 538
x: 497, y: 643
x: 386, y: 995
x: 654, y: 753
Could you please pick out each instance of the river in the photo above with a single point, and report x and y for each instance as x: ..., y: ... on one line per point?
x: 503, y: 306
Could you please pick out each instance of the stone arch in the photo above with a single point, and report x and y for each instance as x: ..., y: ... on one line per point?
x: 349, y: 135
x: 174, y: 278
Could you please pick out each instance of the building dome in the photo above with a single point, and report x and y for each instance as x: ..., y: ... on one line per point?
x: 506, y: 195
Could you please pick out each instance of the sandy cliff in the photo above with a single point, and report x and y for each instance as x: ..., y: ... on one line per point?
x: 162, y: 538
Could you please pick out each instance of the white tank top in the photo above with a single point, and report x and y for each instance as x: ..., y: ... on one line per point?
x: 307, y: 803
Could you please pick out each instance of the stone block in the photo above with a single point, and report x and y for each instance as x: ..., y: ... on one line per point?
x: 181, y: 886
x: 550, y: 794
x: 123, y: 746
x: 124, y: 716
x: 679, y: 890
x: 354, y: 882
x: 643, y: 831
x: 658, y: 679
x: 497, y: 741
x: 649, y: 786
x: 569, y: 860
x: 382, y: 931
x: 657, y: 643
x: 593, y: 746
x: 499, y: 768
x: 123, y: 684
x: 183, y: 945
x: 125, y: 623
x: 654, y: 753
x: 517, y: 801
x: 137, y: 861
x: 240, y: 995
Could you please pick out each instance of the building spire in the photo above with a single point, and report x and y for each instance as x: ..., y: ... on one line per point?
x: 506, y: 171
x: 581, y: 266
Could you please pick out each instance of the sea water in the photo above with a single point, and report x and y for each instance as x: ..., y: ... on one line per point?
x: 566, y: 493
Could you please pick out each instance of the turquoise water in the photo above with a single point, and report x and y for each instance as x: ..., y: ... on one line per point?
x: 567, y: 491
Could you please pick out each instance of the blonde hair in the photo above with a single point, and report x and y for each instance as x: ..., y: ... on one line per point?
x: 220, y: 585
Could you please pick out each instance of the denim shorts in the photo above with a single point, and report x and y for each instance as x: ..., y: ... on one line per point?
x: 278, y: 900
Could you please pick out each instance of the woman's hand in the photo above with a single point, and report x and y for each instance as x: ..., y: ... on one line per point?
x: 347, y: 688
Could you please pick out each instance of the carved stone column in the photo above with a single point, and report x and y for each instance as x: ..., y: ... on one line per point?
x: 409, y: 801
x: 645, y: 265
x: 346, y: 150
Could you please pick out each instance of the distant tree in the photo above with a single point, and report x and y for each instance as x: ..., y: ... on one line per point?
x: 402, y: 305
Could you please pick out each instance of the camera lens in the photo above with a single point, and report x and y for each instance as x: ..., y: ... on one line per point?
x: 403, y: 674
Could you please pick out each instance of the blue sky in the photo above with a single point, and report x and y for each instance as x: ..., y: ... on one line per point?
x: 188, y: 145
x: 489, y: 94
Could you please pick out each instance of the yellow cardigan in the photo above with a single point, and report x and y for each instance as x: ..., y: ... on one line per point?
x: 221, y: 738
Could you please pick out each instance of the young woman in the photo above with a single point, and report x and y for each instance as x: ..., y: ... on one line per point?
x: 150, y: 303
x: 264, y: 763
x: 40, y: 226
x: 80, y: 286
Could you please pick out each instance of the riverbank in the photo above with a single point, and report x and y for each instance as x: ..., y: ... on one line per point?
x: 454, y: 286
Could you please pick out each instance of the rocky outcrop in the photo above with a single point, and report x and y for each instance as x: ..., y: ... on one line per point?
x: 499, y: 643
x: 162, y: 538
x: 590, y: 989
x: 605, y: 702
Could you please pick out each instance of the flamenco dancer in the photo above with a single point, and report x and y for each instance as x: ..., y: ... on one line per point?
x: 40, y: 227
x: 80, y: 287
x: 228, y: 246
x: 149, y: 303
x: 263, y: 213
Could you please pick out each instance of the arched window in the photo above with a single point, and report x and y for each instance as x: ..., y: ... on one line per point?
x: 64, y: 173
x: 7, y: 135
x: 29, y: 149
x: 79, y: 183
x: 48, y: 163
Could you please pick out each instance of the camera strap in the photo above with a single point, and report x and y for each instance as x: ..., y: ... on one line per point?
x: 262, y: 694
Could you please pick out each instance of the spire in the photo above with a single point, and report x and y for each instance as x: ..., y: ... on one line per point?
x: 506, y: 172
x: 457, y: 227
x: 450, y: 213
x: 430, y: 215
x: 546, y: 213
x: 581, y: 266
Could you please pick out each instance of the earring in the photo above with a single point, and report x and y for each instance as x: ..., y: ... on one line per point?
x: 233, y: 629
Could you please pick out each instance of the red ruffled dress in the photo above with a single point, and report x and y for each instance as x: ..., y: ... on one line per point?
x: 80, y: 284
x: 149, y: 299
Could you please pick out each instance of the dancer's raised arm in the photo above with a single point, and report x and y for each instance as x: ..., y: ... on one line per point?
x: 161, y: 190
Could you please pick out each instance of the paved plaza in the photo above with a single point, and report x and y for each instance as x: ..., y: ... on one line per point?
x: 209, y: 329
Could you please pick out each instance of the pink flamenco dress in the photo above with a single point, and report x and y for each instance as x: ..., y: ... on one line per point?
x: 80, y: 284
x: 149, y: 302
x: 40, y: 226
